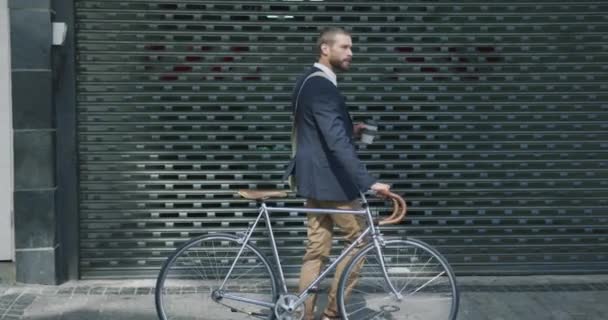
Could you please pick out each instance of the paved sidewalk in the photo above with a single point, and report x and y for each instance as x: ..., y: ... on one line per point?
x: 482, y: 298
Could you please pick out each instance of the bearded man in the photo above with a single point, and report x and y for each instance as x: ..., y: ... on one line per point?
x: 327, y: 170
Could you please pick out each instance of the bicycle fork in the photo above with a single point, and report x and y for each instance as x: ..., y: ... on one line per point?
x: 378, y: 241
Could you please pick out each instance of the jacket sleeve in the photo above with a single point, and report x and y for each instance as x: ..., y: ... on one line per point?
x: 331, y: 124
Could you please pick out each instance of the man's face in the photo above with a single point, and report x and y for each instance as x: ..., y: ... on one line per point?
x: 340, y: 53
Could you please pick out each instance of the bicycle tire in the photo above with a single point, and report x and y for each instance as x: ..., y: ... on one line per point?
x: 188, y: 278
x: 420, y: 273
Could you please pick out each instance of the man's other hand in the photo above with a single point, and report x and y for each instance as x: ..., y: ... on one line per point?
x: 358, y: 129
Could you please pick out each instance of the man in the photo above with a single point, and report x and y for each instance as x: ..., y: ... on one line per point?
x: 328, y: 172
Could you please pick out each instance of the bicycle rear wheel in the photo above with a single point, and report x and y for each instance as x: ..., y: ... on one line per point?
x: 421, y: 276
x: 187, y: 286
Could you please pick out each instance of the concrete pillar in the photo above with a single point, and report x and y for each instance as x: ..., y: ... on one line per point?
x: 34, y: 131
x: 6, y: 141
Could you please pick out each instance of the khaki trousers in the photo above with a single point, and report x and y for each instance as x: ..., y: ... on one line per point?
x: 320, y: 231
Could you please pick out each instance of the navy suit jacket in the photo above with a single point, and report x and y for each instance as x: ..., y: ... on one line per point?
x: 326, y: 164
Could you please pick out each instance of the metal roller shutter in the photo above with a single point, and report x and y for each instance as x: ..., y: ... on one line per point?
x: 493, y: 114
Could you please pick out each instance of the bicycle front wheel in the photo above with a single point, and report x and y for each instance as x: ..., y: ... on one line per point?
x: 423, y: 284
x: 189, y: 284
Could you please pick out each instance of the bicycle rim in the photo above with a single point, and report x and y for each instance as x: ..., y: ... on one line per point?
x: 189, y: 279
x: 421, y: 276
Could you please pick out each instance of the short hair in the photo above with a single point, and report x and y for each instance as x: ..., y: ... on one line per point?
x: 328, y: 36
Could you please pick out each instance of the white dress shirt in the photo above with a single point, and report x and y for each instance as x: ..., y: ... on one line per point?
x: 327, y: 71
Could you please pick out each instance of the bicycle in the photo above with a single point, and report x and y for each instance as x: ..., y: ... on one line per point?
x: 397, y: 278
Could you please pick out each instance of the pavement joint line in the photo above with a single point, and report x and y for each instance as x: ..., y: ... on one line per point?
x: 17, y: 306
x: 11, y: 305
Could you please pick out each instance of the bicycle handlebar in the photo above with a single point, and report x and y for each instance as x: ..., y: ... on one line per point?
x: 399, y: 208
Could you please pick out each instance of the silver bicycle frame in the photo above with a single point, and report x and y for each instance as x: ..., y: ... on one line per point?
x: 264, y: 211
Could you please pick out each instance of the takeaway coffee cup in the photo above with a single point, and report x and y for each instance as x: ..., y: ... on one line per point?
x: 369, y: 132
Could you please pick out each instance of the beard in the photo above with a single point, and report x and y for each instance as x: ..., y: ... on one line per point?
x: 342, y: 65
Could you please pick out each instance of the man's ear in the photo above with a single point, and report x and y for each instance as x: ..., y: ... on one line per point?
x: 325, y: 49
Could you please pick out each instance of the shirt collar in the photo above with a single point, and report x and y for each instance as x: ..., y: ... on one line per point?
x: 328, y: 71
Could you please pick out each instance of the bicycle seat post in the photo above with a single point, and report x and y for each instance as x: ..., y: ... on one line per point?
x: 275, y: 251
x: 259, y: 202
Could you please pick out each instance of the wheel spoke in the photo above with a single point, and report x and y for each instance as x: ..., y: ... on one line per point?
x: 426, y: 283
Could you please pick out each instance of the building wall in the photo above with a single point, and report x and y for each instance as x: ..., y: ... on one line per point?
x: 6, y: 151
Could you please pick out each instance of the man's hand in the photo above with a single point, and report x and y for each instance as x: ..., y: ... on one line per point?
x: 381, y: 188
x: 358, y: 129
